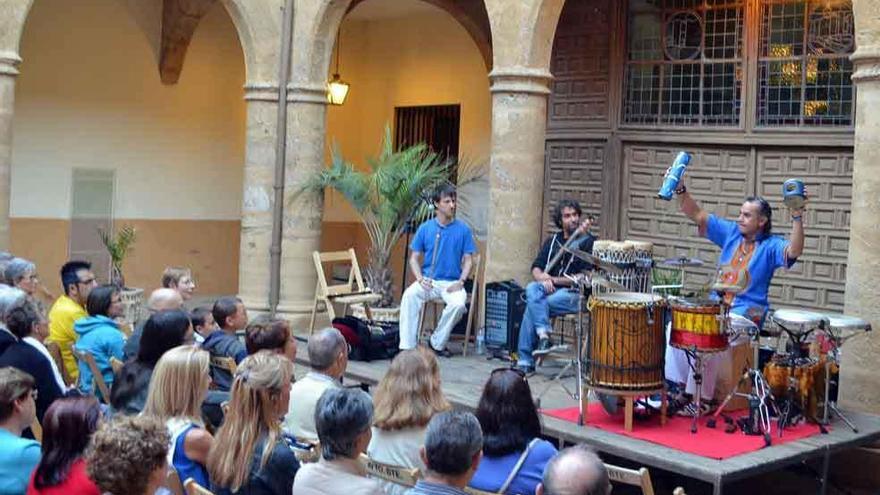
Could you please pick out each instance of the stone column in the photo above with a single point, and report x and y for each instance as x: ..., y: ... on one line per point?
x: 859, y: 379
x: 516, y: 177
x: 257, y: 197
x: 306, y: 127
x: 8, y: 70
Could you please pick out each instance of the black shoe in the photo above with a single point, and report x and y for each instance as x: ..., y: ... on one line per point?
x: 442, y: 352
x: 544, y: 347
x: 525, y: 368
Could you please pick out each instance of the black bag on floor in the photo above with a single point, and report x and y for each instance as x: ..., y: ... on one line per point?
x: 368, y: 341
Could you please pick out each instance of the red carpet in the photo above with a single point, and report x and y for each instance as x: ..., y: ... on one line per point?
x: 707, y: 442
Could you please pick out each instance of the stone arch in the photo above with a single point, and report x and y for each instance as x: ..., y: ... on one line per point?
x: 15, y: 13
x: 522, y: 32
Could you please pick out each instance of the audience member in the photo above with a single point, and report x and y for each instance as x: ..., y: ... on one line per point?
x: 513, y: 456
x: 5, y: 258
x: 35, y: 339
x: 272, y: 334
x: 231, y: 316
x: 406, y: 399
x: 127, y: 456
x: 249, y: 454
x: 160, y: 300
x: 22, y: 274
x: 342, y: 418
x: 576, y: 470
x: 23, y: 320
x: 328, y: 357
x: 67, y: 428
x: 162, y: 331
x: 452, y: 451
x: 99, y: 335
x: 8, y: 298
x: 203, y: 323
x: 18, y: 456
x: 177, y: 389
x: 181, y: 280
x: 77, y: 281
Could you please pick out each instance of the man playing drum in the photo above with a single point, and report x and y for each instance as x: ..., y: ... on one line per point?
x: 750, y: 254
x: 552, y: 294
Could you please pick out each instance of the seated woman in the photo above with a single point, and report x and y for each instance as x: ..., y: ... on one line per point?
x: 25, y: 322
x: 178, y: 387
x: 18, y: 456
x: 272, y: 334
x: 127, y: 456
x: 513, y: 456
x: 98, y: 334
x: 406, y: 399
x: 249, y: 454
x: 67, y: 428
x: 163, y: 331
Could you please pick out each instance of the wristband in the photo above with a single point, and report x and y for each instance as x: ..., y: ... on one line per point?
x: 797, y: 218
x: 681, y: 189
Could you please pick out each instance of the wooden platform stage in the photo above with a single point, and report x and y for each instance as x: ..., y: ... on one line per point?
x: 464, y: 377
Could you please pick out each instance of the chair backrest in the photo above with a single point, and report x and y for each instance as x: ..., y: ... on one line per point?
x: 193, y: 488
x: 98, y: 383
x: 224, y: 362
x: 398, y: 475
x: 307, y: 452
x: 474, y: 491
x: 37, y: 430
x: 55, y: 351
x: 116, y: 364
x: 172, y: 482
x: 355, y: 281
x: 634, y: 477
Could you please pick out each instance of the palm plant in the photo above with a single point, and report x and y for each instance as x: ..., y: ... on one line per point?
x: 118, y: 247
x: 388, y: 198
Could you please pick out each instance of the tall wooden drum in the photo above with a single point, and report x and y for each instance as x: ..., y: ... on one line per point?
x: 627, y: 342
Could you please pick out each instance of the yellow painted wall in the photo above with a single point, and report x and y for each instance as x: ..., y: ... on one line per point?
x: 424, y: 59
x: 89, y: 96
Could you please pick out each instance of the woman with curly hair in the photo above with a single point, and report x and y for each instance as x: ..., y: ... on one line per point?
x: 127, y: 456
x: 67, y: 428
x: 249, y: 455
x: 406, y: 399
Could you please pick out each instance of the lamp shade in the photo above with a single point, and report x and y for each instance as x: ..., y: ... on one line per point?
x: 337, y: 90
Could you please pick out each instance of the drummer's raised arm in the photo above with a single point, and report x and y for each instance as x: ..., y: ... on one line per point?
x: 691, y: 208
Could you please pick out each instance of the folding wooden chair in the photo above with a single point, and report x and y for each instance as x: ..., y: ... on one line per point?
x: 354, y: 291
x: 311, y: 452
x: 398, y: 475
x: 193, y: 488
x: 98, y: 384
x: 55, y: 351
x: 474, y: 491
x: 633, y: 477
x: 116, y: 364
x: 437, y: 305
x: 224, y: 363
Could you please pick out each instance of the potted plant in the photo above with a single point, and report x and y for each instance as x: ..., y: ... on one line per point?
x: 119, y: 246
x: 390, y: 197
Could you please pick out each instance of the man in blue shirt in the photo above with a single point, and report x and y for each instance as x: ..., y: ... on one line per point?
x: 750, y: 254
x: 441, y: 260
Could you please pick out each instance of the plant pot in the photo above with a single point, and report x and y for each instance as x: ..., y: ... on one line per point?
x: 132, y: 303
x: 385, y: 315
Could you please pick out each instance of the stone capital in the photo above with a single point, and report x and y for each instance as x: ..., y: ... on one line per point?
x: 866, y: 64
x: 526, y: 80
x: 296, y: 92
x: 261, y: 91
x: 9, y: 62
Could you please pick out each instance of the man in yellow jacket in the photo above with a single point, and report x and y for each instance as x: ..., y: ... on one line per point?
x: 78, y: 281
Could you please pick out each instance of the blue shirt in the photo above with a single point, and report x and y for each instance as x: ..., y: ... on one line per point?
x: 769, y: 254
x: 493, y: 471
x: 18, y: 459
x: 455, y: 241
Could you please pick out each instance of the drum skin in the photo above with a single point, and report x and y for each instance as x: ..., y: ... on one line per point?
x: 695, y: 325
x: 626, y: 350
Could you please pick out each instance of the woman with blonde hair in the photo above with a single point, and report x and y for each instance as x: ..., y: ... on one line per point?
x: 177, y: 389
x: 250, y: 454
x: 406, y: 399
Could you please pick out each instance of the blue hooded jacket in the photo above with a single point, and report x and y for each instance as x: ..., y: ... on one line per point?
x: 99, y: 336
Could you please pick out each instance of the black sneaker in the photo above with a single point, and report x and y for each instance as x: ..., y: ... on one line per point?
x: 544, y: 347
x: 442, y: 352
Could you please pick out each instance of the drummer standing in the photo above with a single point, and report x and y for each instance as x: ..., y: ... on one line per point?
x: 551, y: 293
x: 750, y: 254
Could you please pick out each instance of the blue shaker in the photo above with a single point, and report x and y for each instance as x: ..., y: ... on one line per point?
x: 673, y: 175
x: 793, y: 194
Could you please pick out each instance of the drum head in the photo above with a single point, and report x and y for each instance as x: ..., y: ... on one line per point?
x: 844, y: 323
x: 797, y: 319
x: 692, y: 302
x: 628, y: 297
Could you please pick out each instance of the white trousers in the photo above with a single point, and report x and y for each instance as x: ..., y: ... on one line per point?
x: 411, y: 306
x: 678, y: 370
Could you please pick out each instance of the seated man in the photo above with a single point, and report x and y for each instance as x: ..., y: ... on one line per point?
x: 552, y: 294
x: 160, y: 300
x: 231, y: 315
x: 576, y: 470
x: 452, y: 451
x: 328, y: 356
x: 77, y: 280
x: 441, y: 261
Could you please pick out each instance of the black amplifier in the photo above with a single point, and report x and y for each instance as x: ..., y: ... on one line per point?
x: 505, y: 305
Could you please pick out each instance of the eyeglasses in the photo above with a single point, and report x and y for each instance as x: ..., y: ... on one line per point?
x: 87, y: 281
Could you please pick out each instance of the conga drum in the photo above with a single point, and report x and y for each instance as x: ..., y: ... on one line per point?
x: 644, y: 256
x: 627, y: 342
